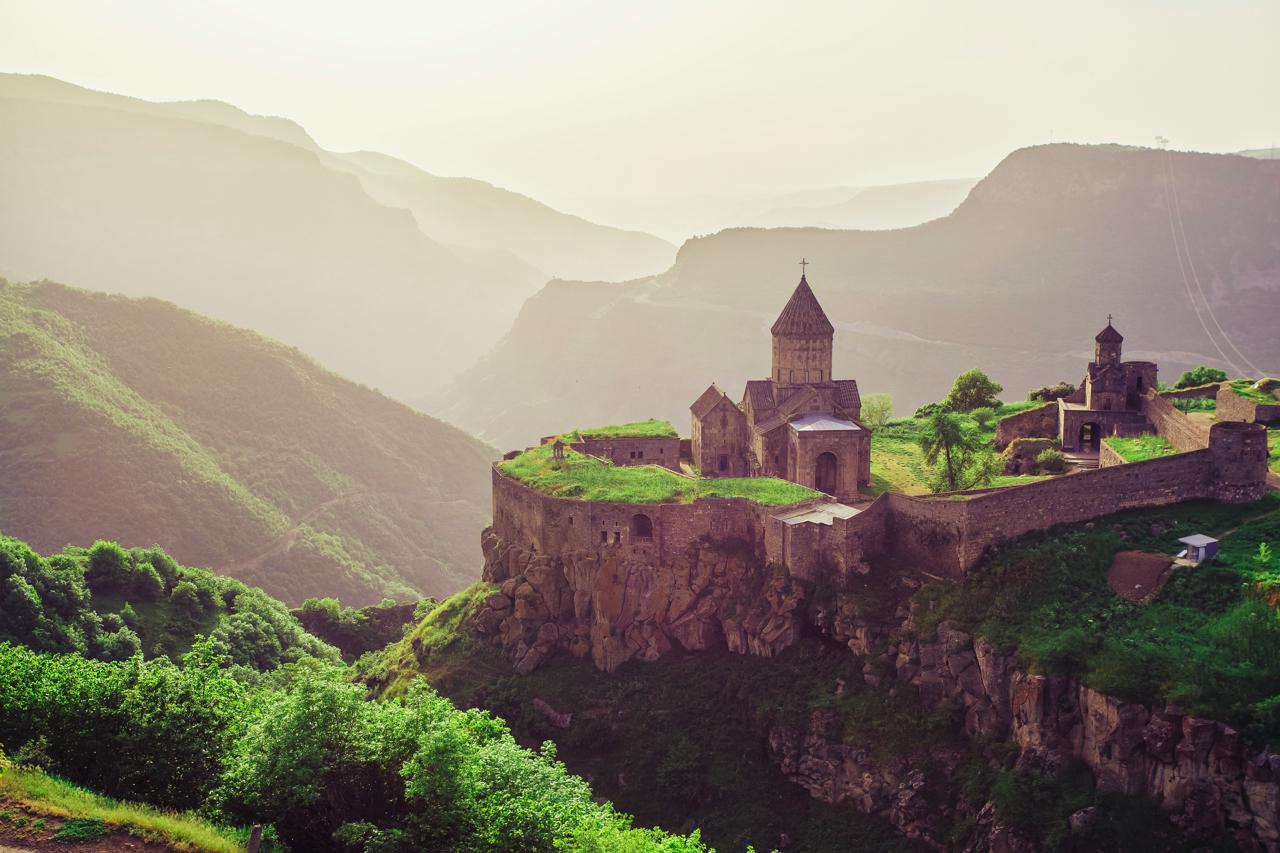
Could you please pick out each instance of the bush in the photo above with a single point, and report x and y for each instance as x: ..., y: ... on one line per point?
x: 930, y: 409
x: 984, y: 416
x: 1052, y: 460
x: 1049, y: 393
x: 1200, y: 376
x: 81, y: 829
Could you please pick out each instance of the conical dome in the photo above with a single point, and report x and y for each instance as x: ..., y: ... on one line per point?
x: 1109, y: 335
x: 803, y: 316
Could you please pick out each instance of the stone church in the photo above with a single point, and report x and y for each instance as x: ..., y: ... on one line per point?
x: 801, y: 424
x: 1109, y: 400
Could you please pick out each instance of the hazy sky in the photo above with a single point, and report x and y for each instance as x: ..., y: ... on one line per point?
x: 574, y: 99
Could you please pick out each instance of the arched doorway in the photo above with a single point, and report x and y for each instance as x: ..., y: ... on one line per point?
x: 826, y: 473
x: 641, y: 528
x: 1090, y: 435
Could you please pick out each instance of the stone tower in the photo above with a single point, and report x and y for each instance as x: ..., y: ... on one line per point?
x: 802, y: 338
x: 1106, y: 346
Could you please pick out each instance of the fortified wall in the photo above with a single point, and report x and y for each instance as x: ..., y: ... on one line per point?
x: 1232, y: 407
x: 623, y: 580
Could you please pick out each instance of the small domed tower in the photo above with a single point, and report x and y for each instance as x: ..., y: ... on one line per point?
x: 1106, y: 346
x: 802, y: 338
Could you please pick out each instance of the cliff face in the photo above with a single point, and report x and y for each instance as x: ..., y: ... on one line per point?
x: 617, y: 608
x: 1200, y: 772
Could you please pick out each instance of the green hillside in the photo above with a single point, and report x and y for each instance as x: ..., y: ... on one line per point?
x: 136, y: 421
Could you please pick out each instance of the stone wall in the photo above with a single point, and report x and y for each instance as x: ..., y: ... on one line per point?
x: 1199, y: 392
x: 1232, y: 407
x: 1040, y: 422
x: 646, y: 450
x: 1172, y: 423
x: 1107, y: 456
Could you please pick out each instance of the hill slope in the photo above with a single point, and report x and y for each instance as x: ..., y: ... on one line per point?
x: 1017, y: 280
x: 246, y: 219
x: 136, y: 421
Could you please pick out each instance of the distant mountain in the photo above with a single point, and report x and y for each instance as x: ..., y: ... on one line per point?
x: 468, y: 212
x: 1017, y: 281
x: 246, y: 219
x: 1261, y: 153
x: 136, y: 421
x: 875, y: 208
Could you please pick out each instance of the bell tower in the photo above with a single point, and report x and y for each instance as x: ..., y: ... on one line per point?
x: 802, y: 337
x: 1106, y: 346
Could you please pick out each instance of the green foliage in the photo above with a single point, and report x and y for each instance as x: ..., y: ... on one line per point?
x: 356, y: 632
x: 876, y: 410
x: 1194, y: 404
x: 1140, y: 448
x: 1209, y: 642
x: 930, y: 409
x: 973, y: 389
x: 984, y: 417
x: 1201, y: 375
x: 1052, y: 459
x: 587, y: 478
x: 111, y: 604
x: 1255, y: 394
x: 322, y: 762
x: 81, y: 829
x: 960, y: 459
x: 1049, y: 393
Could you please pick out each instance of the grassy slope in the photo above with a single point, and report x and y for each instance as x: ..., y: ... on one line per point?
x: 1273, y: 434
x: 1140, y: 448
x: 897, y: 463
x: 1244, y: 387
x: 579, y: 476
x: 1208, y: 642
x: 29, y: 796
x: 134, y: 420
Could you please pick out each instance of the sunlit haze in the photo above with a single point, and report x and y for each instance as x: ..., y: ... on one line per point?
x: 575, y: 102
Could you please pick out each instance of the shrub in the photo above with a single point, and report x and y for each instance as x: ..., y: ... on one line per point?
x: 1052, y: 460
x: 1200, y: 376
x: 81, y: 829
x: 1049, y: 393
x: 984, y: 416
x: 930, y: 409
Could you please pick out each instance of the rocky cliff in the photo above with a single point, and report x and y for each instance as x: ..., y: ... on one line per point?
x: 617, y: 608
x: 1198, y: 771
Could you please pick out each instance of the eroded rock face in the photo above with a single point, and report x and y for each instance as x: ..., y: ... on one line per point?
x: 618, y: 606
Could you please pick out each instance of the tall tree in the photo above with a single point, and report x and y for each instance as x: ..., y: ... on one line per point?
x: 960, y: 459
x: 973, y: 389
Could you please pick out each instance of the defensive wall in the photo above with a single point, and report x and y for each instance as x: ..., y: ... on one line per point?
x: 1040, y: 422
x: 945, y: 535
x: 630, y: 450
x: 1232, y: 407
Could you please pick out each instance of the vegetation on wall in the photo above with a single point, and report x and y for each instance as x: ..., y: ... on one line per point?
x: 651, y: 428
x: 1139, y: 448
x: 1049, y: 393
x: 1201, y: 375
x: 586, y: 478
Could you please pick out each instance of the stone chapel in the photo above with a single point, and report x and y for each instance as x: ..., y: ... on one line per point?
x: 801, y: 424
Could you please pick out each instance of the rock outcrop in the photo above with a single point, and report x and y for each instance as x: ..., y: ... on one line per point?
x: 1198, y: 771
x: 619, y: 607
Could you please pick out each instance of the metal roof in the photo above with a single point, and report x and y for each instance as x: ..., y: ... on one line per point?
x: 1197, y: 540
x: 819, y: 422
x: 819, y: 514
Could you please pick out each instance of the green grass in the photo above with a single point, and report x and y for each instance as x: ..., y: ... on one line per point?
x: 1273, y: 437
x: 1208, y: 642
x: 84, y: 812
x: 1245, y: 389
x: 1140, y: 448
x: 651, y: 428
x: 581, y: 477
x: 1194, y: 404
x: 897, y: 463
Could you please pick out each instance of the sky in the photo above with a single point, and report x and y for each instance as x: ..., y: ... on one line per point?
x: 573, y: 100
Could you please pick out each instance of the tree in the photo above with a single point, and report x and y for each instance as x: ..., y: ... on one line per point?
x: 959, y: 456
x: 973, y: 389
x: 877, y: 409
x: 984, y: 416
x: 1200, y: 376
x: 1049, y: 393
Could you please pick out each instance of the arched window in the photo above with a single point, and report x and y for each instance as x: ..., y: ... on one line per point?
x: 641, y: 528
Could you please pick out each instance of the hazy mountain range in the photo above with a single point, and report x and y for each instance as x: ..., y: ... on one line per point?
x: 388, y: 274
x: 1017, y: 281
x: 137, y: 421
